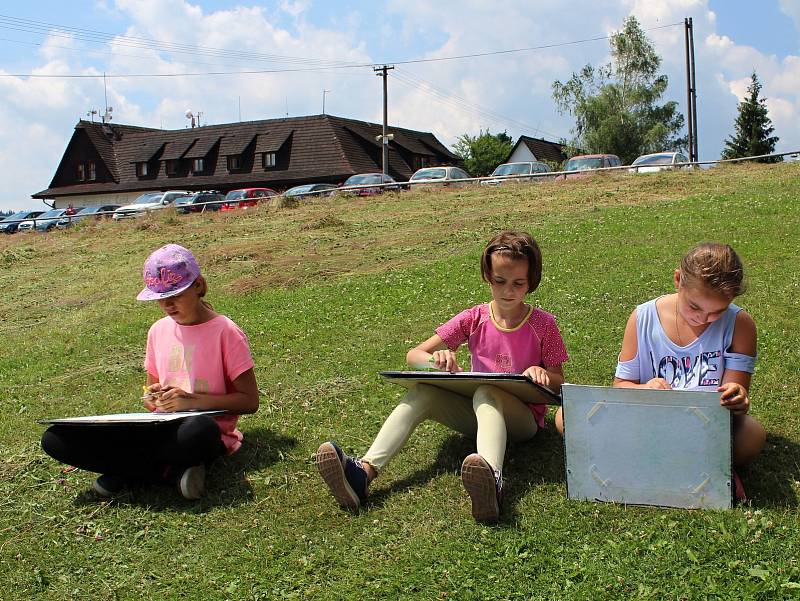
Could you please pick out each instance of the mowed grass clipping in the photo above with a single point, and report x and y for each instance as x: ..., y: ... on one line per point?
x: 333, y: 291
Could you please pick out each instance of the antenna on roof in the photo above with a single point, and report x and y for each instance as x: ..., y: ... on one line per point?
x: 107, y: 114
x: 189, y: 115
x: 91, y: 114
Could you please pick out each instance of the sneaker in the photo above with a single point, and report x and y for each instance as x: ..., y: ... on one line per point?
x: 193, y: 482
x: 484, y: 486
x: 107, y: 485
x: 738, y: 489
x: 344, y: 475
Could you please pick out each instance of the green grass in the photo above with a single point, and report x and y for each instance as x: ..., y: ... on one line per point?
x: 332, y: 292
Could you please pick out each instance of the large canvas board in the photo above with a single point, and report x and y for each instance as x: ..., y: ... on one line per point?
x: 647, y: 447
x: 465, y: 383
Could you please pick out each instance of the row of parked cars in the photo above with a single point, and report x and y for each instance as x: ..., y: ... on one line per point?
x: 362, y: 184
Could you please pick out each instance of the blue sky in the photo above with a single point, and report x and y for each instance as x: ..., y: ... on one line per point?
x: 508, y: 92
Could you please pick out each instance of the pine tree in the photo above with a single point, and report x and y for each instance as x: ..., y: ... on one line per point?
x: 753, y: 128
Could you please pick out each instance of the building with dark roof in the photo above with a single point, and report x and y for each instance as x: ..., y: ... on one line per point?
x: 536, y: 149
x: 110, y: 163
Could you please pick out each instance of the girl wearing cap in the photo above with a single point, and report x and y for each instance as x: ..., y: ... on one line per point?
x: 196, y: 359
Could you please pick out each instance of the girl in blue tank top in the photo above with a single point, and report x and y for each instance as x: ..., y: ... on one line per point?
x: 697, y: 339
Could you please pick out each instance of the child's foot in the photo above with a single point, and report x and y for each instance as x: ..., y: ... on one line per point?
x: 485, y: 489
x: 344, y: 475
x: 738, y: 489
x: 193, y: 482
x: 107, y: 485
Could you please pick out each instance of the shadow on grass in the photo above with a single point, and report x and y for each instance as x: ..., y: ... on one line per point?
x: 770, y: 480
x: 540, y: 460
x: 226, y: 481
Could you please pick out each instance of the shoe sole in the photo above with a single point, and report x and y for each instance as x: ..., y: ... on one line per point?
x: 330, y: 468
x: 478, y: 479
x: 193, y: 482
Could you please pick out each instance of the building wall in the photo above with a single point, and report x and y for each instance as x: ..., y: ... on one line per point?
x: 91, y: 200
x: 522, y: 154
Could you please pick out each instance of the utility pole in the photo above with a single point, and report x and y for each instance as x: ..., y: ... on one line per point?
x: 382, y: 72
x: 691, y: 89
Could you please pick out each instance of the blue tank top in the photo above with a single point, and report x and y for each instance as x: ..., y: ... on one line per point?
x: 696, y: 366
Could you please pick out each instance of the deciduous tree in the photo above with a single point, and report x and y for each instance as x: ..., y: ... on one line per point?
x: 482, y: 153
x: 616, y: 106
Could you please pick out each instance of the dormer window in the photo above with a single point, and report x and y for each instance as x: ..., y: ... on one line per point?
x: 197, y: 165
x: 270, y: 159
x: 81, y: 174
x: 172, y: 167
x: 234, y: 162
x: 141, y: 169
x: 92, y: 170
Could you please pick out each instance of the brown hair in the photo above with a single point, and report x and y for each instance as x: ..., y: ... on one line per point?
x: 716, y: 266
x: 516, y: 246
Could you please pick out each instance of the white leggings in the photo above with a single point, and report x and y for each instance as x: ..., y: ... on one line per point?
x: 492, y: 416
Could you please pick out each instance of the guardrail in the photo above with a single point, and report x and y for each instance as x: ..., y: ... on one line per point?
x: 403, y: 186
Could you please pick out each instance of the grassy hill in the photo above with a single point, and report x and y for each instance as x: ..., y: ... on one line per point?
x: 333, y: 291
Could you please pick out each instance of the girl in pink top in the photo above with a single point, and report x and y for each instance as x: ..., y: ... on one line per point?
x: 506, y: 335
x: 196, y: 359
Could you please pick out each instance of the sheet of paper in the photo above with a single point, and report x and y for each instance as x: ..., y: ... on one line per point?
x: 129, y: 418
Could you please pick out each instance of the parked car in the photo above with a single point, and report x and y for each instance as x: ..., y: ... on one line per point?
x: 10, y: 224
x: 359, y: 184
x: 210, y: 200
x: 311, y: 191
x: 244, y: 198
x: 515, y: 169
x: 149, y: 201
x: 46, y: 221
x: 659, y: 161
x: 588, y: 162
x: 97, y: 212
x: 439, y: 175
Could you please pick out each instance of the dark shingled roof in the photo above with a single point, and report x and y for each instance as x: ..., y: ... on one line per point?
x: 309, y: 149
x: 542, y: 149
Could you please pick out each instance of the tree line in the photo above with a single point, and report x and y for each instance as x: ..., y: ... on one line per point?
x: 618, y: 110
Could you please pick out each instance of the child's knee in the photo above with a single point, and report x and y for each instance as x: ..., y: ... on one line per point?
x: 486, y: 395
x: 749, y: 438
x: 202, y: 429
x: 421, y: 398
x: 560, y: 421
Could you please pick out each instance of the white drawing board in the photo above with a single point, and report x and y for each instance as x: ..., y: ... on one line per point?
x: 128, y: 418
x: 647, y: 447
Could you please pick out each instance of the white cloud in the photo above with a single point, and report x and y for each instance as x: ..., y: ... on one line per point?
x: 791, y: 8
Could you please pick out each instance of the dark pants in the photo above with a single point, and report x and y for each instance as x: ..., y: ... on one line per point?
x: 143, y: 452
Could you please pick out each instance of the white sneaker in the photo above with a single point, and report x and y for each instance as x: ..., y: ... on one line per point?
x: 193, y: 482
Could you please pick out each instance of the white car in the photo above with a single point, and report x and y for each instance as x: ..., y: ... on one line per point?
x: 659, y: 161
x: 150, y: 201
x: 440, y: 175
x: 515, y: 169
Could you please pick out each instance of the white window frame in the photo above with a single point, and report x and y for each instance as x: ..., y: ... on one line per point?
x: 142, y: 169
x: 198, y: 165
x: 234, y: 162
x: 270, y: 159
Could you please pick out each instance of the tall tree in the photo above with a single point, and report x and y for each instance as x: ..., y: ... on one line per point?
x: 616, y: 106
x: 482, y: 153
x: 753, y: 128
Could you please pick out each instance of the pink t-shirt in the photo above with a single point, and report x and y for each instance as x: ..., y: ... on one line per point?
x: 494, y: 349
x: 206, y: 357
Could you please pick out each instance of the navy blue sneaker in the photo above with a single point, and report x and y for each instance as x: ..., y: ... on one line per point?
x: 484, y: 486
x: 107, y: 485
x: 344, y: 475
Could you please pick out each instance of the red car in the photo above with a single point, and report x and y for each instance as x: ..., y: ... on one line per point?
x: 245, y: 197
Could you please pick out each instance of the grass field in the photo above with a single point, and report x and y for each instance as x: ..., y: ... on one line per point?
x: 330, y: 293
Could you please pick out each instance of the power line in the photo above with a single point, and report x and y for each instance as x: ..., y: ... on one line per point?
x: 447, y: 98
x: 7, y: 22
